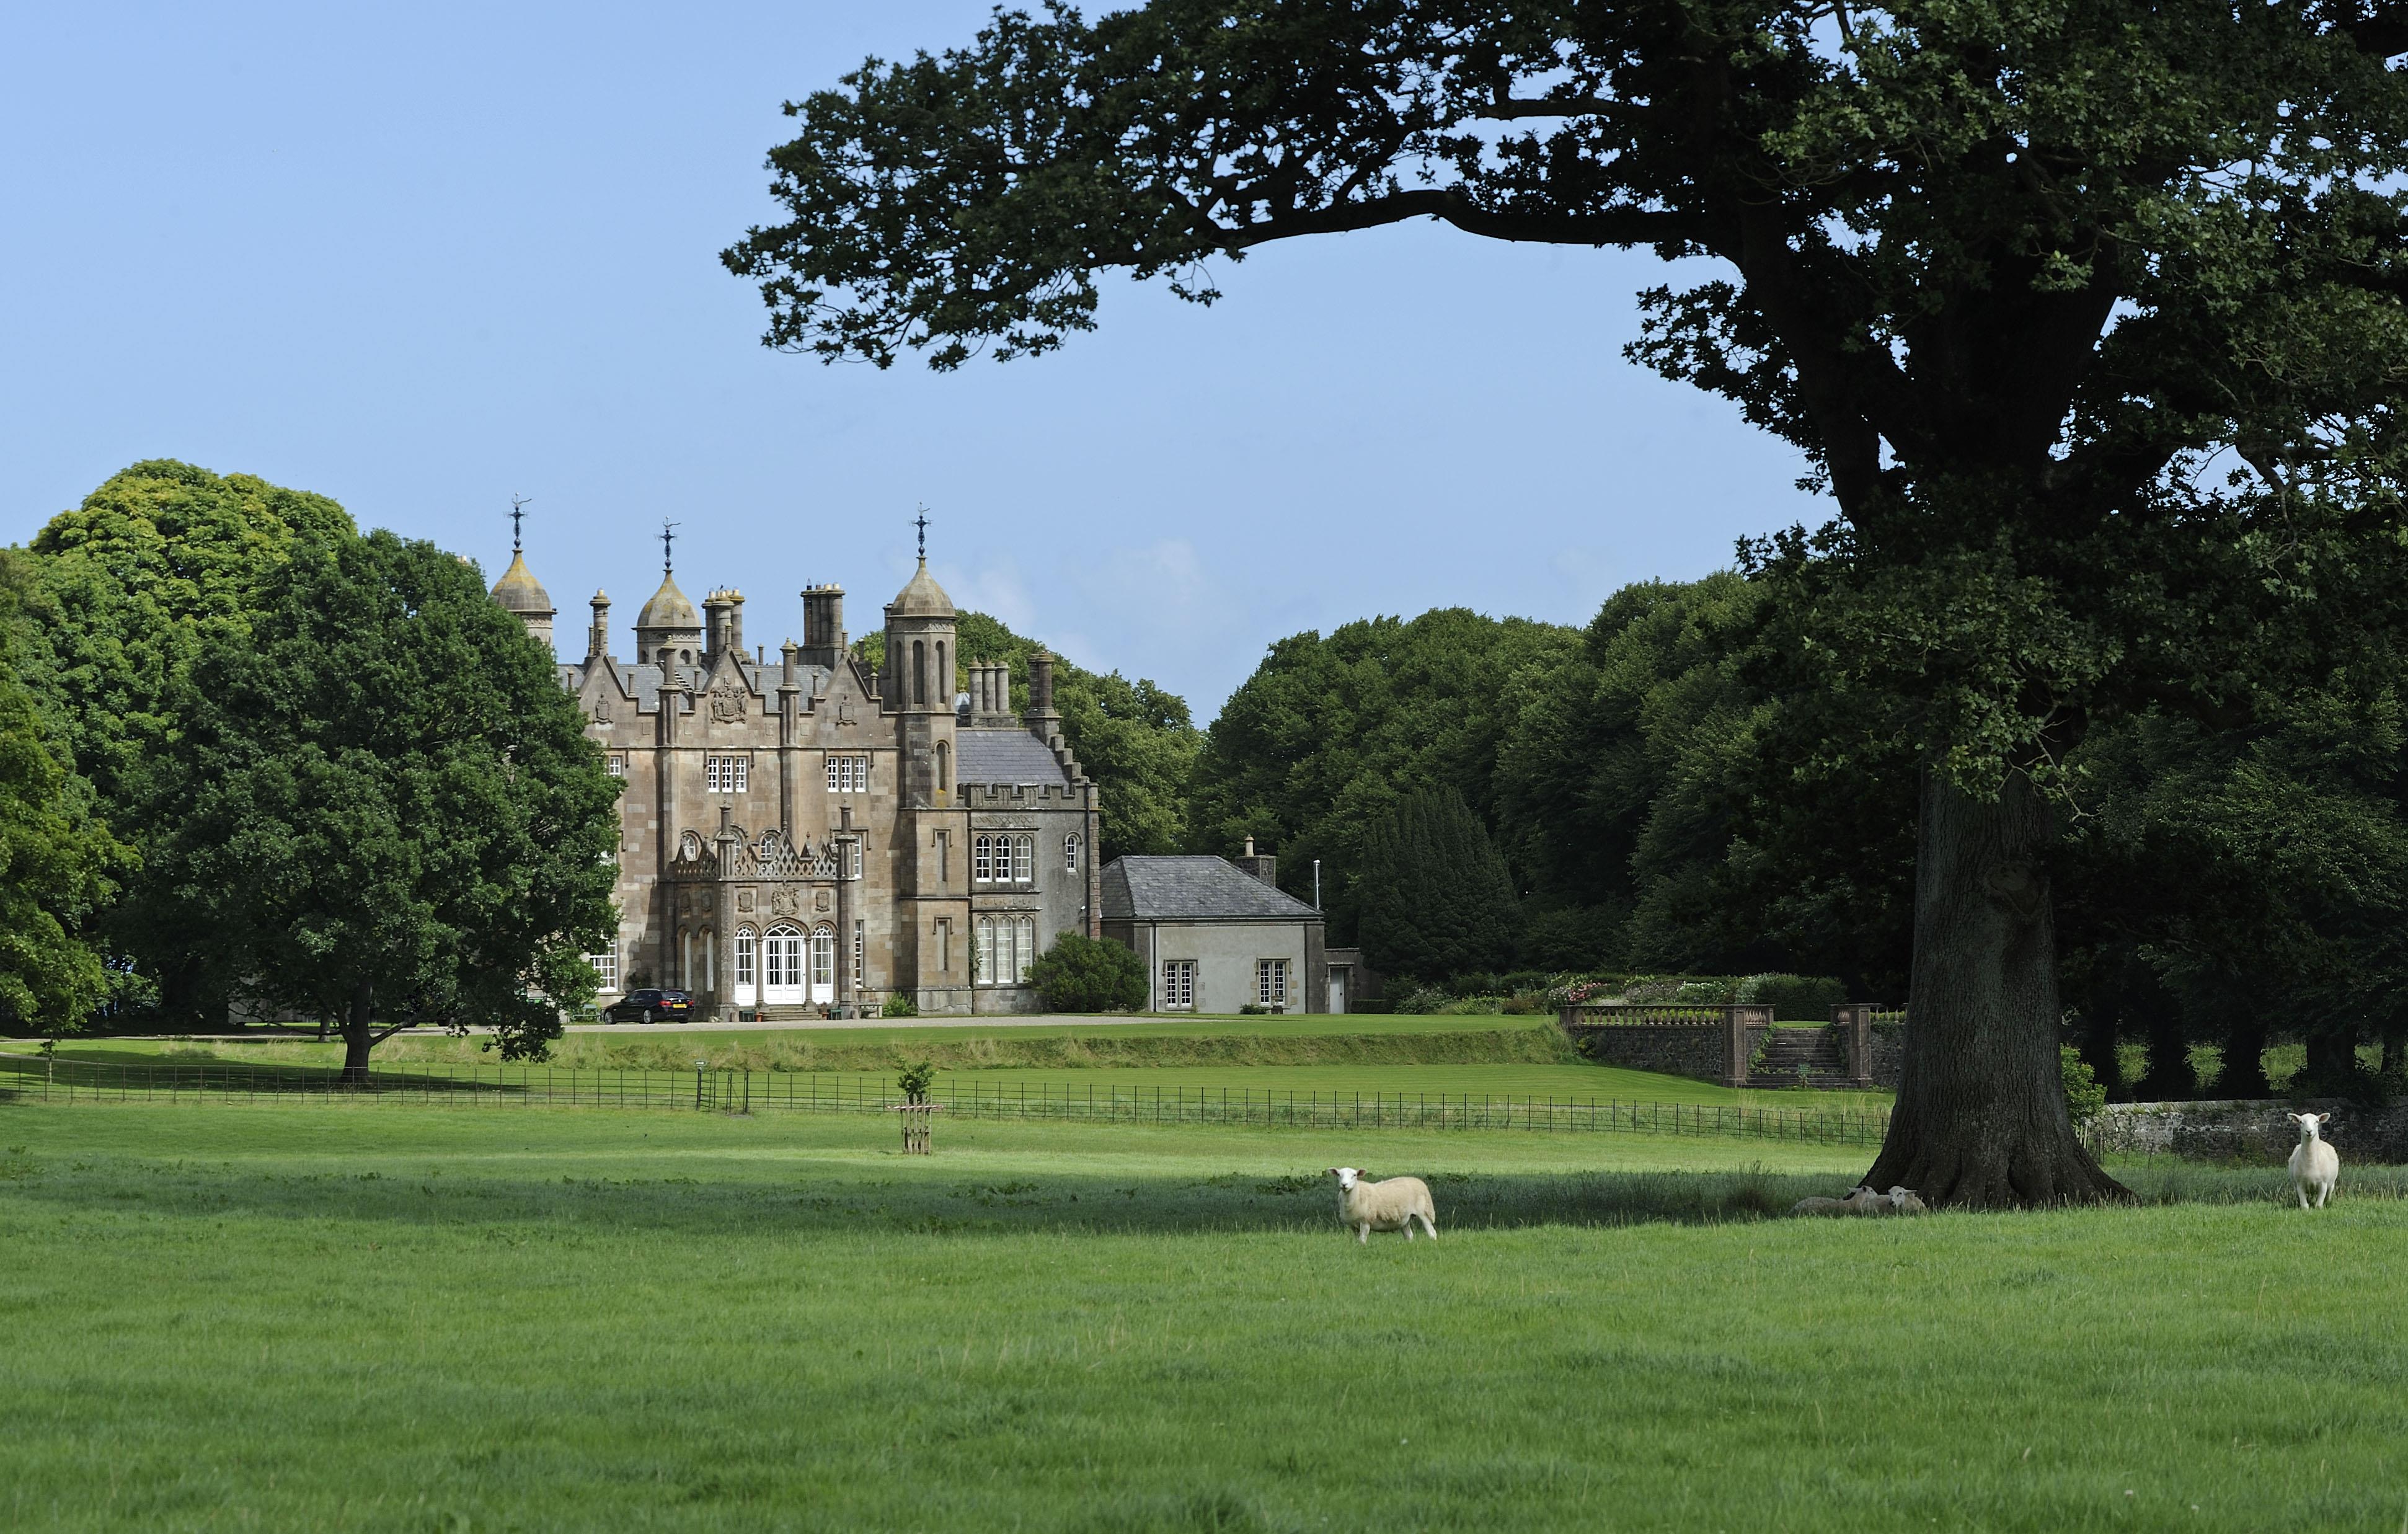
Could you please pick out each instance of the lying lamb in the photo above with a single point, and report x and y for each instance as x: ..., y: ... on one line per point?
x: 1393, y: 1205
x: 2313, y: 1163
x: 1863, y: 1200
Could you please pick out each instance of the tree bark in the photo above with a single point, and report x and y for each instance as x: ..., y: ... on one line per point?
x: 357, y: 1039
x: 2332, y: 1058
x: 1981, y: 1120
x: 2170, y: 1075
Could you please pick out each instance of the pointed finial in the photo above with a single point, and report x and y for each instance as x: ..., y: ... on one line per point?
x: 667, y: 537
x: 922, y: 524
x: 518, y: 506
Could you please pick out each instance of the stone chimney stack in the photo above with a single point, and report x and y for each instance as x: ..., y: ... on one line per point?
x: 823, y: 625
x: 597, y: 638
x: 1263, y: 866
x: 715, y: 625
x: 1044, y: 723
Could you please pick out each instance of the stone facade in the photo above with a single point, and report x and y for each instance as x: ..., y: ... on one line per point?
x: 808, y: 836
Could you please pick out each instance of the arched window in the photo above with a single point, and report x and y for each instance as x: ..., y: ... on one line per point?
x: 1070, y: 854
x: 944, y: 764
x: 919, y: 672
x: 1024, y: 950
x: 689, y: 846
x: 746, y: 969
x: 709, y: 959
x: 824, y: 962
x: 685, y: 657
x: 1023, y: 858
x: 982, y: 957
x: 944, y: 674
x: 982, y: 860
x: 685, y: 960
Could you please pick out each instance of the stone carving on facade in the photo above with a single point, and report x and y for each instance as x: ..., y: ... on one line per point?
x: 743, y: 902
x: 601, y: 710
x: 727, y: 705
x: 822, y: 901
x: 785, y: 903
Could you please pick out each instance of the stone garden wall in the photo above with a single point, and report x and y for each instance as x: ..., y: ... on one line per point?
x: 2247, y: 1131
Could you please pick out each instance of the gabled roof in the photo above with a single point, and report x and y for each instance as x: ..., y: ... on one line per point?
x: 1004, y: 756
x: 1144, y: 887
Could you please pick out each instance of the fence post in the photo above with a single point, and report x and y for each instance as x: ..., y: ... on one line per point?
x: 1855, y: 1023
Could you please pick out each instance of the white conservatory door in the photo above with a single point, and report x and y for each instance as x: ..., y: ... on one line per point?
x: 781, y: 968
x: 822, y: 965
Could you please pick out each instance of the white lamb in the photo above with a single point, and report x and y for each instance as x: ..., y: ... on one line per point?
x: 2313, y: 1163
x: 1393, y: 1205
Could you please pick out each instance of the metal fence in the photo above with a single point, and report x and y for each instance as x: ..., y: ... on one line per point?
x: 961, y: 1094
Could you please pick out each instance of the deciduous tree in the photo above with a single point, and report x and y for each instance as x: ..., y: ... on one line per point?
x: 2086, y: 316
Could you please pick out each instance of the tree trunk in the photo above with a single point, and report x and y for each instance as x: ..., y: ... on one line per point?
x: 2170, y: 1075
x: 2332, y: 1059
x: 2394, y: 1034
x: 357, y: 1040
x: 2245, y: 1056
x: 2099, y: 1039
x: 1981, y: 1119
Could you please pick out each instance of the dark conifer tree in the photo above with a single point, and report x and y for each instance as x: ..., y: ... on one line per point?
x: 1437, y: 899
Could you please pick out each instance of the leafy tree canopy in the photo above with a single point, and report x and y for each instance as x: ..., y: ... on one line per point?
x: 395, y: 815
x: 1436, y: 900
x: 58, y: 864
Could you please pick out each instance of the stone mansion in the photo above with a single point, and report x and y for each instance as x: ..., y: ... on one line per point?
x: 806, y: 832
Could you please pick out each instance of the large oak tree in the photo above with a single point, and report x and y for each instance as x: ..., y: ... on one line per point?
x: 2086, y: 313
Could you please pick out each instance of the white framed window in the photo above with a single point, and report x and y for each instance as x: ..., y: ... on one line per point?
x: 1023, y: 952
x: 824, y: 960
x: 982, y: 860
x: 1178, y: 983
x: 982, y: 955
x: 853, y: 858
x: 1070, y: 854
x: 1270, y: 981
x: 848, y: 774
x: 615, y: 763
x: 1023, y: 859
x: 860, y: 942
x: 745, y: 944
x: 726, y: 774
x: 605, y: 968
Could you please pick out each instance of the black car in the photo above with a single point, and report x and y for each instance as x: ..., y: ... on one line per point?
x: 651, y: 1007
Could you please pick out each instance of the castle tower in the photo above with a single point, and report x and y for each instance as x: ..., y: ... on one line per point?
x: 919, y: 684
x: 518, y: 593
x: 668, y: 632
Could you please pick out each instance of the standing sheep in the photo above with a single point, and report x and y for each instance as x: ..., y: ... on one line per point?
x: 1393, y: 1205
x: 2313, y: 1163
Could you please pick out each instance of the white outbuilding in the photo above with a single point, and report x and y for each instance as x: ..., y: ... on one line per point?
x: 1215, y: 936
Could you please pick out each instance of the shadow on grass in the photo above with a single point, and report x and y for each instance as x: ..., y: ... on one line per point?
x: 925, y: 1200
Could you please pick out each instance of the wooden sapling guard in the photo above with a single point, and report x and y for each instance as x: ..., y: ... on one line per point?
x: 916, y: 1110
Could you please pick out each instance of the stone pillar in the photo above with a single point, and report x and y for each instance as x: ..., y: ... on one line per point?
x: 789, y: 752
x: 1855, y: 1025
x: 1740, y: 1026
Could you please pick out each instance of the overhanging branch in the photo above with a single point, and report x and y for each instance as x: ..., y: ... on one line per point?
x: 1614, y: 226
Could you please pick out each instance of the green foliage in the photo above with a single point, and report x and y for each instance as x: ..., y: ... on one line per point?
x: 158, y: 564
x: 1331, y: 735
x: 1083, y: 974
x: 1794, y: 998
x: 914, y: 1080
x: 1436, y: 898
x: 394, y: 814
x: 59, y: 866
x: 2084, y: 1097
x: 899, y: 1005
x: 1133, y: 739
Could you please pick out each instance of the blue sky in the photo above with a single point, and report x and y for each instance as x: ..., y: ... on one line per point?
x: 423, y: 258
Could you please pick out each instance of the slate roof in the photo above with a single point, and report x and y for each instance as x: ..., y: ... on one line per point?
x: 1005, y: 756
x: 1146, y: 888
x: 644, y: 682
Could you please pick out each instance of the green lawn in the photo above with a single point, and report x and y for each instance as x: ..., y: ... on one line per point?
x: 378, y: 1317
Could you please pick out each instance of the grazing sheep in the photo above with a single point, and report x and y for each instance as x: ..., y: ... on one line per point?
x: 2313, y: 1163
x: 1863, y: 1200
x: 1393, y: 1205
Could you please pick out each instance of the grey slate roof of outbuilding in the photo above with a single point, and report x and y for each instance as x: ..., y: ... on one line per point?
x: 1004, y: 756
x: 1143, y: 887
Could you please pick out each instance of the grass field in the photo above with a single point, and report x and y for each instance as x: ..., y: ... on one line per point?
x: 378, y: 1317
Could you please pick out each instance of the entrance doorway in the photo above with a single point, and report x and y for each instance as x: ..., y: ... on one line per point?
x: 781, y: 968
x: 822, y: 965
x: 1339, y: 975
